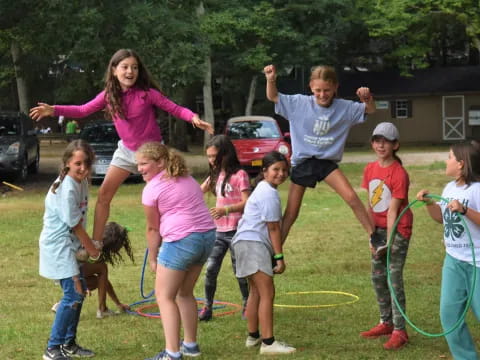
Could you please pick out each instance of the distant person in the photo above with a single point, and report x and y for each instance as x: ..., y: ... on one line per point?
x: 259, y: 255
x: 319, y: 126
x: 71, y: 127
x: 387, y: 183
x: 231, y: 186
x: 61, y: 120
x: 63, y: 233
x: 463, y: 197
x: 130, y: 99
x: 180, y: 236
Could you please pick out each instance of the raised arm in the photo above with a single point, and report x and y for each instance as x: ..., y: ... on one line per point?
x: 366, y: 97
x: 37, y: 113
x: 271, y: 76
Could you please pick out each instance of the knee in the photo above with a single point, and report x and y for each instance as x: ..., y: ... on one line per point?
x: 352, y: 199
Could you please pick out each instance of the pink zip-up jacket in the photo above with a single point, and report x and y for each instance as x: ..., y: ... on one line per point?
x: 139, y: 125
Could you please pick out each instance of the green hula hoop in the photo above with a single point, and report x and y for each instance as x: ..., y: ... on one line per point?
x: 389, y: 280
x: 354, y: 297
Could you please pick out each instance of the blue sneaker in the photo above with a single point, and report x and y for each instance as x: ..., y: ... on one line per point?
x: 164, y: 356
x: 192, y: 351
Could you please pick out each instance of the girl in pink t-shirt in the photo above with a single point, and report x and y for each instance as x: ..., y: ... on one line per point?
x: 231, y: 185
x: 130, y: 99
x: 177, y: 219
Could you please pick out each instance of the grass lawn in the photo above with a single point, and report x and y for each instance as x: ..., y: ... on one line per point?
x: 327, y: 250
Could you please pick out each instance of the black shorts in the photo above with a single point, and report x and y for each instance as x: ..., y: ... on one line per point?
x: 311, y: 171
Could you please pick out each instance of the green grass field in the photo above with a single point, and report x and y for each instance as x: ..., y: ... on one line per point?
x: 327, y: 250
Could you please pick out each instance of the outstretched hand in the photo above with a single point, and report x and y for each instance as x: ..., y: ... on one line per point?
x: 42, y: 110
x: 205, y: 126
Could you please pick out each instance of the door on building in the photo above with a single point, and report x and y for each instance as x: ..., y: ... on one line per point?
x: 453, y: 117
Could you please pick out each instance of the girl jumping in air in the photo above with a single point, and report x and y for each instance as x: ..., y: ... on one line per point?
x: 129, y: 99
x: 463, y: 195
x: 387, y: 183
x: 177, y: 219
x: 231, y: 185
x: 256, y: 244
x: 62, y: 235
x: 319, y: 126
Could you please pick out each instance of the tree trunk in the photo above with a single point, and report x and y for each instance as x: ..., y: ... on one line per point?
x: 251, y: 95
x: 22, y: 87
x: 208, y: 116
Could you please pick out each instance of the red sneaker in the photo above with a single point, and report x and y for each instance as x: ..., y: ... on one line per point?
x: 397, y: 340
x: 379, y: 330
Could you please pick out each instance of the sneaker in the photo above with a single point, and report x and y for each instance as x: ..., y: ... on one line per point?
x: 193, y: 351
x: 101, y: 314
x: 252, y: 342
x: 164, y: 356
x: 74, y: 350
x: 205, y: 314
x: 378, y: 330
x: 276, y: 348
x: 55, y: 307
x: 397, y: 340
x: 55, y: 353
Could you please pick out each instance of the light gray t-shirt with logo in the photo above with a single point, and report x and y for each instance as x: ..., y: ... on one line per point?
x: 318, y: 131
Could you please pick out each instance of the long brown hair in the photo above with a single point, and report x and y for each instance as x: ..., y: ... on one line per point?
x: 175, y: 164
x: 113, y: 90
x: 75, y: 145
x: 469, y: 153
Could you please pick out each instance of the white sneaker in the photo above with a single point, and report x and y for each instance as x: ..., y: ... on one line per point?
x: 101, y: 314
x: 252, y: 342
x: 276, y: 348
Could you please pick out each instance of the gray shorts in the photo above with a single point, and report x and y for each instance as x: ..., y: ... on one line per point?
x: 124, y: 158
x: 252, y: 257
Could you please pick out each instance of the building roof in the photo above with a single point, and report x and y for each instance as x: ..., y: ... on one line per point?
x: 443, y: 80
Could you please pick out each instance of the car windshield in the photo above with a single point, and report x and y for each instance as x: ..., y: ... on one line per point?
x: 100, y: 134
x: 9, y: 126
x: 253, y: 130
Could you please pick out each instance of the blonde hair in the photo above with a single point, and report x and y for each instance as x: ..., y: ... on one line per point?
x: 325, y: 73
x: 175, y: 165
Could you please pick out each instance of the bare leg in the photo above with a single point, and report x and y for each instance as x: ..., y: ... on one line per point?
x: 187, y: 304
x: 97, y: 277
x: 114, y: 178
x: 295, y: 196
x: 167, y: 285
x: 266, y: 292
x: 338, y: 182
x: 252, y: 308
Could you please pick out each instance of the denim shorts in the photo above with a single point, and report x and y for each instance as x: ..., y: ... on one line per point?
x: 193, y: 249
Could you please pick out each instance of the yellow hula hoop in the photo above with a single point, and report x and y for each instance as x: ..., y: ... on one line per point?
x: 354, y: 297
x: 12, y: 186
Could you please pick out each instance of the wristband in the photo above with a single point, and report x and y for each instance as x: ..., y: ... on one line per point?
x: 92, y: 259
x: 278, y: 256
x: 465, y: 209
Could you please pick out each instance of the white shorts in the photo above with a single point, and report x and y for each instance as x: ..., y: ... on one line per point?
x: 124, y: 158
x: 252, y: 257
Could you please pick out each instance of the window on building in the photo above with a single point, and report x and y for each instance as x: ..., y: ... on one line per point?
x: 401, y: 109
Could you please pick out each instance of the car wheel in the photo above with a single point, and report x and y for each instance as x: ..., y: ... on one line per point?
x: 33, y: 168
x: 23, y: 172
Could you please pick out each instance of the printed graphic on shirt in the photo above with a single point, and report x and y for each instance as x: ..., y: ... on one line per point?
x: 321, y: 127
x: 228, y: 189
x: 452, y: 225
x: 380, y: 195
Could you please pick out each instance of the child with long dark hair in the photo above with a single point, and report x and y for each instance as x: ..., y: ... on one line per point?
x: 463, y: 197
x: 63, y: 233
x: 256, y: 243
x: 231, y: 186
x: 130, y: 99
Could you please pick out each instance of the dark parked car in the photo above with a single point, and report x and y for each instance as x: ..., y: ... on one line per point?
x: 255, y: 136
x: 19, y: 146
x: 103, y: 138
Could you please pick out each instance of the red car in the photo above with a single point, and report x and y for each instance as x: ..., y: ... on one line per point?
x: 255, y: 136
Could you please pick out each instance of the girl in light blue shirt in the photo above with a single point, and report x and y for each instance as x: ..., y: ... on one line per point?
x: 62, y: 235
